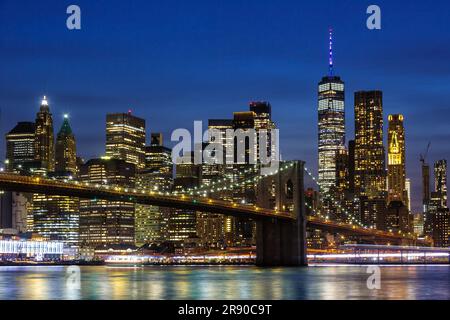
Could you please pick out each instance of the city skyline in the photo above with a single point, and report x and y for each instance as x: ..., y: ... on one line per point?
x: 283, y: 76
x: 255, y: 152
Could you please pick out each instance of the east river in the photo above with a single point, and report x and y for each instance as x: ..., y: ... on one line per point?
x: 223, y: 282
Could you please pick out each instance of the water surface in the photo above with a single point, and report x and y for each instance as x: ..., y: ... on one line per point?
x: 225, y: 282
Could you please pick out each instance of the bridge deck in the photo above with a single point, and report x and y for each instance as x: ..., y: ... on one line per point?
x: 14, y: 182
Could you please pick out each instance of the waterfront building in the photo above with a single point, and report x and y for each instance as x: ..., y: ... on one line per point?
x: 182, y: 226
x: 125, y: 138
x: 56, y: 218
x: 418, y: 224
x: 211, y: 226
x: 20, y: 158
x: 211, y: 230
x: 13, y: 249
x: 151, y: 222
x: 441, y: 228
x: 372, y: 212
x: 105, y: 222
x: 395, y: 218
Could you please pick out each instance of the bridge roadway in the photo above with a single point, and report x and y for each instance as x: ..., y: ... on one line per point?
x: 18, y: 183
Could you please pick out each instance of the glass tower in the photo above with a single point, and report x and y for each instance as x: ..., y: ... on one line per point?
x: 331, y: 112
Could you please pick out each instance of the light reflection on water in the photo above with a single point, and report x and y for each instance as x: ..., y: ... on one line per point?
x: 225, y: 282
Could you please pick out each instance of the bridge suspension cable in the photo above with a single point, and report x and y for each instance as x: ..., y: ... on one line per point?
x: 223, y: 184
x: 351, y: 217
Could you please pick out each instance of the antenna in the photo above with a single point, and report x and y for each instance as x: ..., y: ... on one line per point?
x: 331, y: 52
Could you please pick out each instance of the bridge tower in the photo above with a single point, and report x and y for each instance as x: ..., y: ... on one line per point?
x: 281, y: 242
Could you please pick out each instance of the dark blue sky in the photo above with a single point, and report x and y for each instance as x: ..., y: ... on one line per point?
x: 173, y: 62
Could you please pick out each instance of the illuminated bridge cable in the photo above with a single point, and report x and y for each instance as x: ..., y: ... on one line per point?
x: 224, y: 184
x: 349, y: 216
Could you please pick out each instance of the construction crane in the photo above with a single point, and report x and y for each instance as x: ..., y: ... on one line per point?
x: 425, y: 179
x: 423, y: 157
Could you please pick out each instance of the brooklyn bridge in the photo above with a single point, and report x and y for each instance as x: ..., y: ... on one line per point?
x: 281, y: 234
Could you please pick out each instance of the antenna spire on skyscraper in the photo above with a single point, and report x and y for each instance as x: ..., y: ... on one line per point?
x: 331, y: 53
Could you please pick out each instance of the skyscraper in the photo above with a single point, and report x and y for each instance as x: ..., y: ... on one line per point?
x: 351, y: 166
x: 66, y: 154
x: 396, y: 160
x: 408, y: 193
x: 440, y: 181
x: 441, y: 228
x: 20, y: 146
x: 331, y: 111
x: 107, y: 222
x: 258, y: 118
x: 125, y: 138
x: 44, y: 137
x: 437, y: 217
x: 183, y: 222
x: 53, y: 217
x: 57, y: 217
x: 20, y: 143
x: 151, y: 222
x: 210, y: 228
x: 370, y: 172
x: 262, y: 121
x: 425, y: 186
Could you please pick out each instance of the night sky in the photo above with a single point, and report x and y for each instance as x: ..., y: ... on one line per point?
x: 173, y: 62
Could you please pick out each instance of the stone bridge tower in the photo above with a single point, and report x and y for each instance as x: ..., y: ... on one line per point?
x: 282, y: 242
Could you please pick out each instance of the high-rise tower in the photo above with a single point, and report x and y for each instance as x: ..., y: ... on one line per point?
x: 20, y: 146
x: 440, y: 181
x: 125, y: 138
x: 331, y: 111
x: 370, y: 173
x: 370, y: 170
x: 105, y: 222
x: 66, y: 154
x: 57, y: 217
x: 151, y: 221
x: 396, y: 159
x: 44, y: 137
